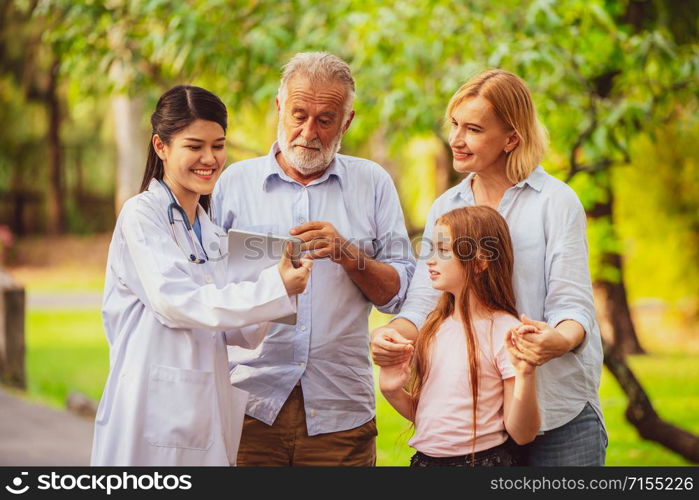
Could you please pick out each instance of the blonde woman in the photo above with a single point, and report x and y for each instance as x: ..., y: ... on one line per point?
x: 497, y: 140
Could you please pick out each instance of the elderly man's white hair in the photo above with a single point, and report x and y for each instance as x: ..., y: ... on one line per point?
x: 320, y: 68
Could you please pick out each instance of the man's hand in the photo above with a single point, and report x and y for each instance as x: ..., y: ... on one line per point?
x: 537, y: 342
x: 322, y: 240
x: 389, y: 347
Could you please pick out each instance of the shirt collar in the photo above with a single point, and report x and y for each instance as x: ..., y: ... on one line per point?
x: 535, y: 180
x: 464, y: 188
x: 336, y: 169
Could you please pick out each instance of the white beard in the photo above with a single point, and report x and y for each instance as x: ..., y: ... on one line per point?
x: 306, y: 161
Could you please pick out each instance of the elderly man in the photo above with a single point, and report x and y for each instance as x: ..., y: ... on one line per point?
x: 311, y: 384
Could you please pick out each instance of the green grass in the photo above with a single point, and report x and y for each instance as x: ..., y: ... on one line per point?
x: 672, y: 384
x: 67, y: 350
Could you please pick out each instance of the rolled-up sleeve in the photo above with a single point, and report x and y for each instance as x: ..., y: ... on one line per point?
x: 421, y: 298
x: 569, y: 288
x: 392, y: 243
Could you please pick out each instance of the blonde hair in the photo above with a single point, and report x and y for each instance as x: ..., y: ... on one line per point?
x: 512, y: 102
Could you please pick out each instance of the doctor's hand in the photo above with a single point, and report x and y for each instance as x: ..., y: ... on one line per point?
x: 295, y: 278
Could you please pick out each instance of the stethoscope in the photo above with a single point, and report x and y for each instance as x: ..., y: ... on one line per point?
x: 192, y: 257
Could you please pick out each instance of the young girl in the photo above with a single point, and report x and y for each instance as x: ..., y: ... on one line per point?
x: 466, y: 390
x: 169, y: 310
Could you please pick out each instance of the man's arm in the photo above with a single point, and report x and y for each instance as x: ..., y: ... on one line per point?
x: 378, y: 281
x: 384, y: 278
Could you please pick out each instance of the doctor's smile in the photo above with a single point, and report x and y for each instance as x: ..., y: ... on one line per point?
x: 205, y: 173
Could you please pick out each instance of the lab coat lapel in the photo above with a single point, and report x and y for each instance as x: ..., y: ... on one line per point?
x: 215, y: 245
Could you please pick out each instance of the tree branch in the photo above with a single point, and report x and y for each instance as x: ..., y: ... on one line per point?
x: 641, y: 414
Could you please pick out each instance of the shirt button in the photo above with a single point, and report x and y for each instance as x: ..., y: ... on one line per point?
x: 302, y: 220
x: 302, y: 363
x: 313, y: 413
x: 303, y: 328
x: 208, y: 278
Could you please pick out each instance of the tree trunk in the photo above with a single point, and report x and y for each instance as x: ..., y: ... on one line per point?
x: 641, y: 414
x: 55, y: 192
x: 614, y: 302
x: 131, y: 145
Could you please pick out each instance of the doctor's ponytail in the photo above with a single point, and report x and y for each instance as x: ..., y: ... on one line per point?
x: 178, y: 108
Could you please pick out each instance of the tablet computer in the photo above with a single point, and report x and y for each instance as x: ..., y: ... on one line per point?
x: 250, y: 253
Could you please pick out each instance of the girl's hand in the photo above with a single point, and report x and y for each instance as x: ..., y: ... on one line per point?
x: 393, y: 378
x: 522, y: 366
x: 295, y: 279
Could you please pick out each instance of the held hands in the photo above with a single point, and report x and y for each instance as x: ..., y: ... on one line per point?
x: 536, y: 342
x: 389, y: 348
x: 322, y: 240
x: 522, y: 366
x: 295, y: 279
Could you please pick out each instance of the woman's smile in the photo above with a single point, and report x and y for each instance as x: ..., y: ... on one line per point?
x: 461, y: 155
x: 204, y: 173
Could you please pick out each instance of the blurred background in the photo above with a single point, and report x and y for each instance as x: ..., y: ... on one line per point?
x: 615, y: 82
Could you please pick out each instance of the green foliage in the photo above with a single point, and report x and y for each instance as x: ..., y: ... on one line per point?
x: 657, y: 199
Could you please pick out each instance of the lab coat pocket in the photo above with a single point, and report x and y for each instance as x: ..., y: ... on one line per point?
x: 179, y: 410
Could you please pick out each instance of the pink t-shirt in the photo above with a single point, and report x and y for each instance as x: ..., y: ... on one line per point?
x: 443, y: 421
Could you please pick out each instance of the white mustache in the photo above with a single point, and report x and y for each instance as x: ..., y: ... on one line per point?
x: 315, y: 143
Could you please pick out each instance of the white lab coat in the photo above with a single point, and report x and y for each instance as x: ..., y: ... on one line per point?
x: 168, y: 399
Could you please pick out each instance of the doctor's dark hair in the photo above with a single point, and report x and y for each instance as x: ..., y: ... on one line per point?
x: 178, y: 108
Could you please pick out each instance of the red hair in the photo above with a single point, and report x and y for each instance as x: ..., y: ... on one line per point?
x: 487, y: 275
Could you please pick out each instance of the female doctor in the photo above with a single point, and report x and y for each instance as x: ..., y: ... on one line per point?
x: 168, y: 309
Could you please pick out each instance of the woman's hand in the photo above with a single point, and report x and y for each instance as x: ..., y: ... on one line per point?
x: 295, y: 279
x: 521, y: 365
x: 393, y: 378
x: 538, y: 343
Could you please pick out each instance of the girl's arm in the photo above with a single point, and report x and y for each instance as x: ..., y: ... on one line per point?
x: 522, y: 420
x: 392, y: 379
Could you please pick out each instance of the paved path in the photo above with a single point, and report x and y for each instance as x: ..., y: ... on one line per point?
x: 32, y: 434
x: 64, y: 300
